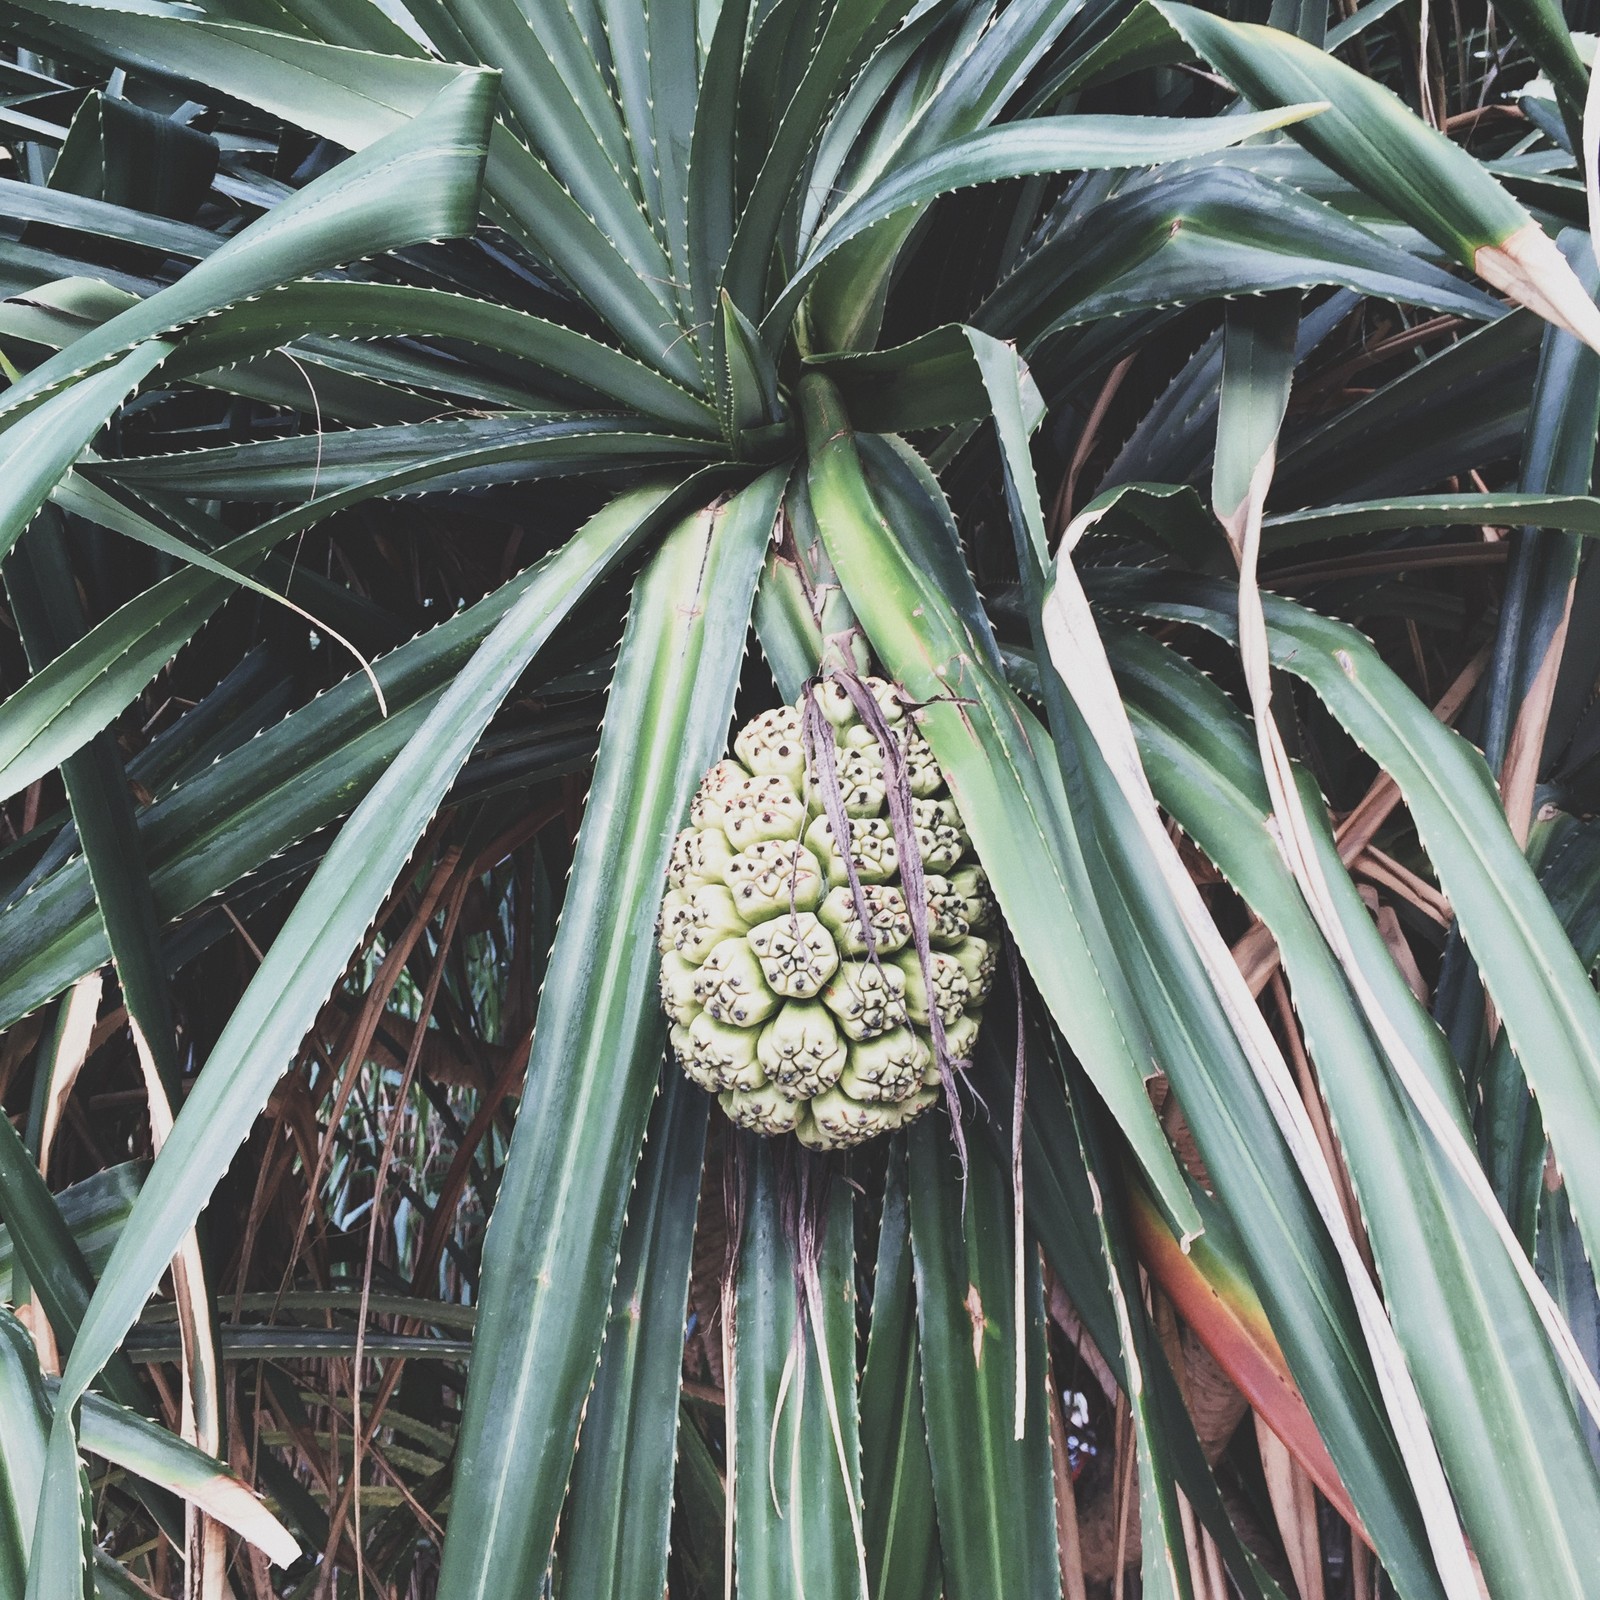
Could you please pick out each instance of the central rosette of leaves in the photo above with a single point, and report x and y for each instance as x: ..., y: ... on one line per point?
x: 798, y: 989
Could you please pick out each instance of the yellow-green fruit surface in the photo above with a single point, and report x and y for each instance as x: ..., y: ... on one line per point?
x: 799, y: 1019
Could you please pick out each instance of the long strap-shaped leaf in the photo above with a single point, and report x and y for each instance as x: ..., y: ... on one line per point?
x: 1570, y: 513
x: 847, y: 32
x: 897, y: 1475
x: 553, y: 86
x: 615, y: 1526
x: 141, y: 1447
x: 354, y: 97
x: 795, y: 1448
x: 597, y: 1044
x: 33, y: 202
x: 449, y: 454
x: 1200, y: 235
x: 1546, y: 1004
x: 356, y: 310
x: 1255, y: 391
x: 963, y: 77
x: 994, y: 1491
x: 1093, y: 730
x: 710, y: 178
x: 44, y: 599
x: 1049, y: 144
x: 1164, y: 1566
x: 36, y: 453
x: 93, y: 1210
x: 929, y: 381
x: 418, y: 182
x: 22, y: 1452
x: 1044, y: 144
x: 1369, y: 137
x: 45, y: 602
x: 77, y: 493
x: 43, y: 1246
x: 1062, y: 1210
x: 295, y: 977
x: 1529, y: 710
x: 1012, y: 802
x: 1557, y: 456
x: 1256, y: 376
x: 79, y: 692
x: 1465, y: 405
x: 1428, y: 1236
x: 236, y: 817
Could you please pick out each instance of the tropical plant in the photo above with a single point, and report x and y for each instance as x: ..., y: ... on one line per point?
x: 372, y: 368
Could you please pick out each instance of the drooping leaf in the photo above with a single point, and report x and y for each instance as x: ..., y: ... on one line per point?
x: 1050, y: 144
x: 795, y: 1457
x: 44, y: 601
x: 418, y: 182
x: 43, y: 1246
x: 291, y: 983
x: 1426, y: 1232
x: 929, y: 382
x: 614, y: 1528
x: 1546, y: 1003
x: 547, y: 1274
x: 987, y: 744
x: 1204, y: 234
x: 1142, y: 884
x: 92, y: 680
x: 38, y: 451
x: 1370, y: 138
x: 22, y: 1451
x: 994, y: 1491
x: 896, y: 1471
x: 94, y: 1211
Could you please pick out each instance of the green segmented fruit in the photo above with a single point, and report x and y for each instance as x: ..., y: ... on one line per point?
x: 762, y: 1110
x: 977, y: 959
x: 723, y: 1056
x: 796, y: 953
x: 959, y: 1038
x: 781, y: 1003
x: 862, y: 781
x: 700, y: 920
x: 947, y: 912
x: 801, y: 1050
x: 836, y: 1121
x: 889, y: 1067
x: 971, y: 882
x: 941, y: 840
x: 948, y: 991
x: 872, y: 849
x: 867, y: 998
x: 731, y: 986
x: 774, y: 876
x: 772, y: 743
x: 699, y: 856
x: 922, y: 768
x: 705, y: 810
x: 763, y: 806
x: 887, y: 915
x: 678, y: 997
